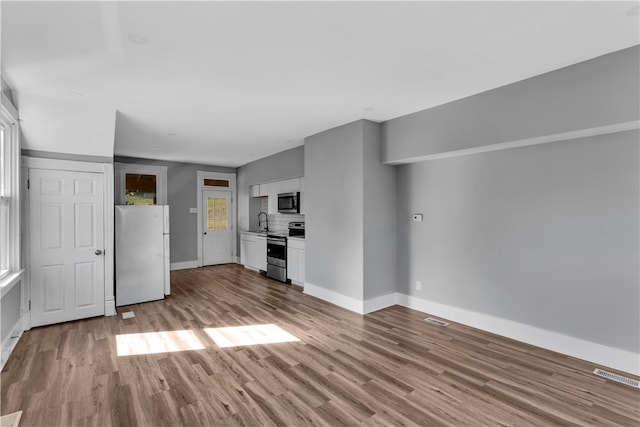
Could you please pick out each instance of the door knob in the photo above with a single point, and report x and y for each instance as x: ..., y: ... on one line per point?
x: 98, y: 252
x: 205, y: 232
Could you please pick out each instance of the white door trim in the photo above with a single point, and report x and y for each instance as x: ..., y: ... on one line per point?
x: 71, y: 165
x: 200, y: 177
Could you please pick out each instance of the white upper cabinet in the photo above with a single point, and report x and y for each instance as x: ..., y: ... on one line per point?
x: 272, y: 189
x: 290, y: 185
x: 273, y: 203
x: 264, y: 189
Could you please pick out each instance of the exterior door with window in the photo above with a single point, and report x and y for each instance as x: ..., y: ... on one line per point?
x: 66, y: 245
x: 217, y: 232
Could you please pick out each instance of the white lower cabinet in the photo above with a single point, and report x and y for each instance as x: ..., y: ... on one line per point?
x: 295, y: 260
x: 247, y: 249
x: 253, y: 251
x: 261, y: 253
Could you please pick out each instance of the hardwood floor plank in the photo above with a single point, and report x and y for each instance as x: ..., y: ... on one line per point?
x: 419, y: 414
x: 386, y: 368
x: 123, y: 413
x: 330, y: 385
x: 263, y: 398
x: 337, y: 414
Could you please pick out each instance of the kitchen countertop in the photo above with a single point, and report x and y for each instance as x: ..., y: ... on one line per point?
x: 264, y: 233
x: 256, y: 232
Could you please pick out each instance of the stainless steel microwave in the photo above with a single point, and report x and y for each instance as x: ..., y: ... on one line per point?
x: 289, y: 202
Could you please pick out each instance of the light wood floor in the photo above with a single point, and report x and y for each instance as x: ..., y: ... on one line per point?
x: 385, y: 368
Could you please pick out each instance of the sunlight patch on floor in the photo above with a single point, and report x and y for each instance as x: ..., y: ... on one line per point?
x: 235, y: 336
x: 157, y: 342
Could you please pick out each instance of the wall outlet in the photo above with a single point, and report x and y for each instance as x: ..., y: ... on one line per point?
x: 418, y: 285
x: 417, y: 217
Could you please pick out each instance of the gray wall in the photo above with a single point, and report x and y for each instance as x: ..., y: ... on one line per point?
x: 545, y: 235
x: 65, y: 156
x: 6, y: 90
x: 181, y: 196
x: 350, y: 212
x: 280, y: 166
x: 599, y: 92
x: 333, y: 165
x: 378, y: 217
x: 283, y: 165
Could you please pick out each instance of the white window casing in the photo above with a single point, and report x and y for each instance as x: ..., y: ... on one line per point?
x: 10, y: 265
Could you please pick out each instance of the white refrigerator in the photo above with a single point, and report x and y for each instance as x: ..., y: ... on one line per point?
x: 141, y: 253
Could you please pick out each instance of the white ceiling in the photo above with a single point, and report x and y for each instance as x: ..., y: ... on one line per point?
x: 226, y: 83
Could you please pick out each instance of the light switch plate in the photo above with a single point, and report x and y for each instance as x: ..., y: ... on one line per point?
x: 417, y: 217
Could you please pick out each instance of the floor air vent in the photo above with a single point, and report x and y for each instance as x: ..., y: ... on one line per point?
x: 436, y: 321
x: 617, y: 378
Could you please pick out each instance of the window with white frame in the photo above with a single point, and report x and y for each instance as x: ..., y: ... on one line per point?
x: 9, y: 196
x: 140, y: 184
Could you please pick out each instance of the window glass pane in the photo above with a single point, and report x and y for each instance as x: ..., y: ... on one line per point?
x: 210, y: 215
x: 216, y: 182
x: 4, y: 235
x: 140, y: 189
x: 3, y: 162
x: 5, y: 239
x: 217, y: 213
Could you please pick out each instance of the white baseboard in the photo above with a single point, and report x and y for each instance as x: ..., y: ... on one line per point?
x: 598, y: 354
x: 592, y: 352
x: 9, y: 343
x: 378, y: 303
x: 183, y: 265
x: 26, y: 320
x: 350, y: 303
x: 333, y: 297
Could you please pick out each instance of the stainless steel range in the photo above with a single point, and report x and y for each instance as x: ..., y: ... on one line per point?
x: 277, y: 251
x: 296, y: 229
x: 277, y: 257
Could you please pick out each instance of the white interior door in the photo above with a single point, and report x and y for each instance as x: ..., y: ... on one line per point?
x: 217, y: 231
x: 66, y: 245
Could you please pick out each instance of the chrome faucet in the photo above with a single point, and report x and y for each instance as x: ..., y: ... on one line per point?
x: 266, y: 219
